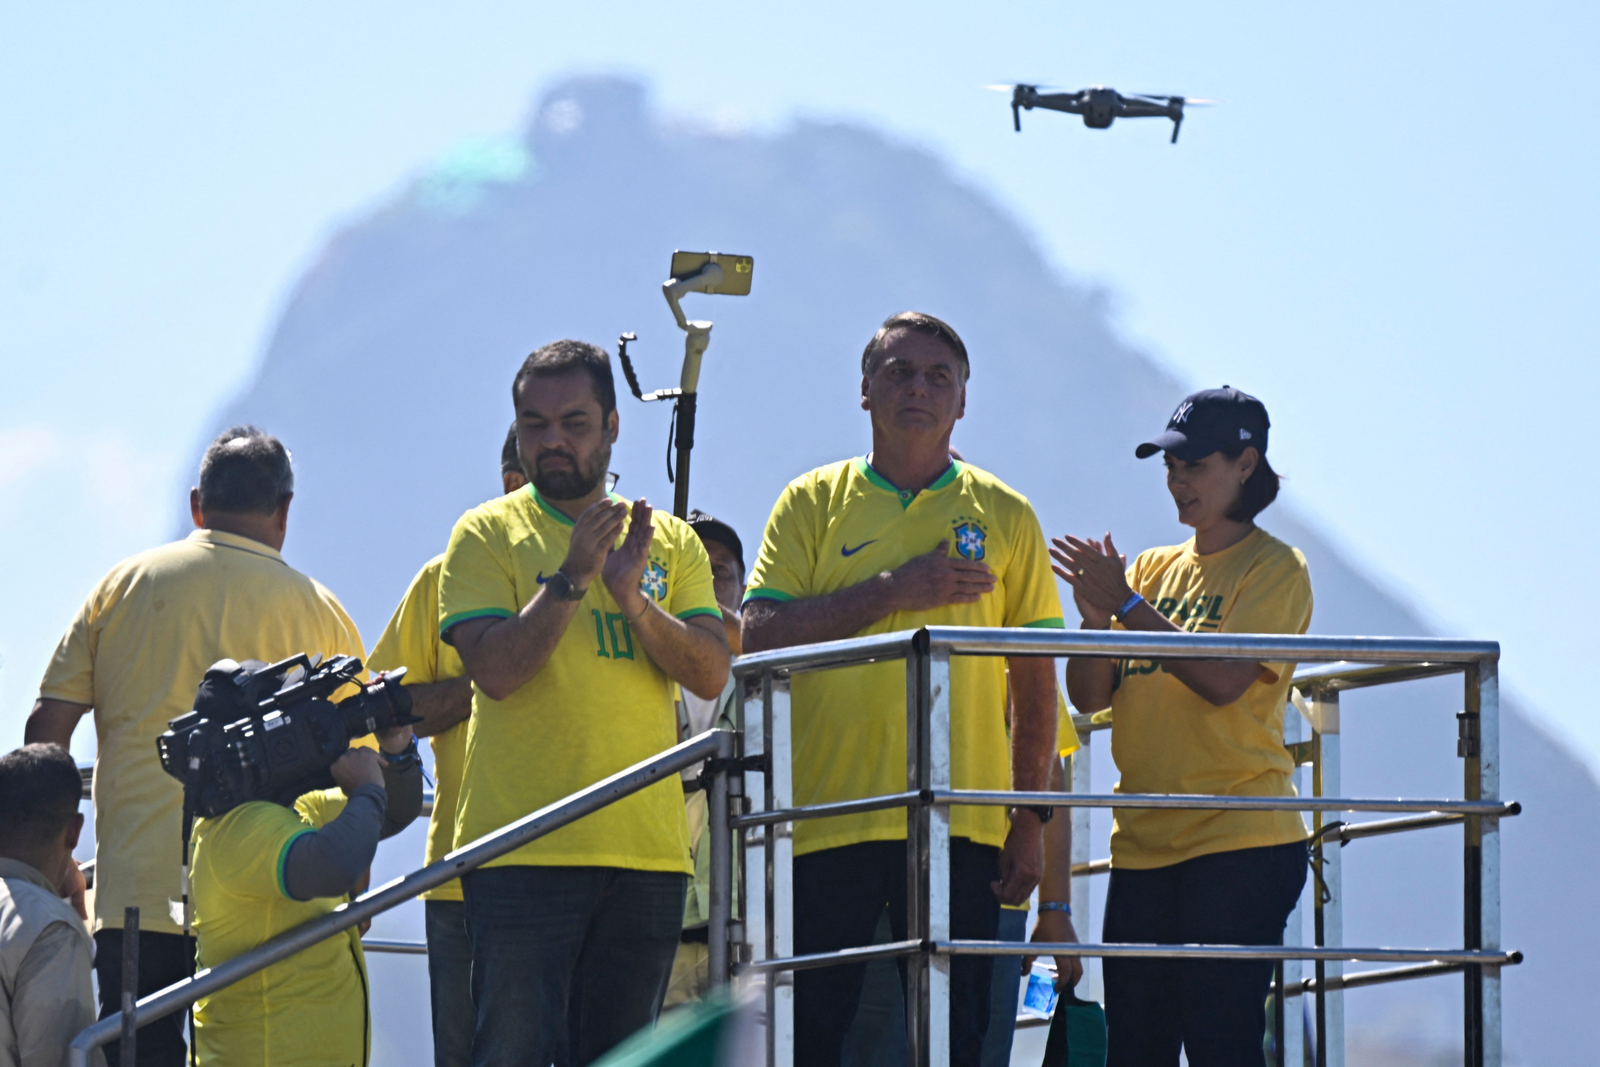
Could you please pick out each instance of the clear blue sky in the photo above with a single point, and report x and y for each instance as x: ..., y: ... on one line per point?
x: 1387, y: 231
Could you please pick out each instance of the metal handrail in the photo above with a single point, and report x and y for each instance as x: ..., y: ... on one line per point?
x: 1334, y: 664
x: 179, y: 995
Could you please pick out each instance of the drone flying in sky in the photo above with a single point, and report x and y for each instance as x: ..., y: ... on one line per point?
x: 1099, y: 106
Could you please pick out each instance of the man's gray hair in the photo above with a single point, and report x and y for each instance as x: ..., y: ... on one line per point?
x: 245, y: 472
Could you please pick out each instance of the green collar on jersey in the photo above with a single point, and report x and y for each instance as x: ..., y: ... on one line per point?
x: 906, y: 496
x: 555, y: 512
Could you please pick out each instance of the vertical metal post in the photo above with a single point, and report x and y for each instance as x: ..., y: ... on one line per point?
x: 918, y: 816
x: 721, y: 872
x: 130, y: 987
x: 780, y: 875
x: 754, y: 841
x: 1480, y: 748
x: 1329, y: 914
x: 937, y: 859
x: 1081, y: 762
x: 1291, y: 1035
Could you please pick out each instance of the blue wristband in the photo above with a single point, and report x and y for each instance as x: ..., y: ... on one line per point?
x: 1056, y: 905
x: 1133, y: 601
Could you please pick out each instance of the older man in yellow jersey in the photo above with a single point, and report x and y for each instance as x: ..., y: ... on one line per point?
x: 136, y: 652
x: 901, y: 538
x: 441, y: 696
x: 573, y: 612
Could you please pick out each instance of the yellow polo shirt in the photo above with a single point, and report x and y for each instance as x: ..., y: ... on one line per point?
x: 411, y: 640
x: 136, y: 652
x: 1166, y: 738
x: 309, y: 1010
x: 839, y: 526
x: 599, y: 704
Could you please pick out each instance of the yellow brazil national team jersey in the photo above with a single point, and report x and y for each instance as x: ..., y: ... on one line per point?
x: 1166, y: 738
x: 136, y: 652
x: 411, y: 640
x: 307, y: 1011
x: 839, y: 526
x: 597, y: 706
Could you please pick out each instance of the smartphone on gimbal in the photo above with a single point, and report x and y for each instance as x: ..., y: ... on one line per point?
x: 736, y: 270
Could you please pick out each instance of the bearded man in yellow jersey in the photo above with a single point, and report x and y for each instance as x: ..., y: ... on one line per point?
x: 573, y: 613
x: 902, y: 538
x: 441, y: 696
x: 135, y: 654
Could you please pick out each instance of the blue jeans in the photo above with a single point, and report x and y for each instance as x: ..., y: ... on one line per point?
x: 450, y: 982
x: 1214, y: 1009
x: 567, y: 962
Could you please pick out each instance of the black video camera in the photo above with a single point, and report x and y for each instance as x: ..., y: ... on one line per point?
x: 269, y: 732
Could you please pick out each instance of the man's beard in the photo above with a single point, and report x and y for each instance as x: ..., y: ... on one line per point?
x: 572, y: 484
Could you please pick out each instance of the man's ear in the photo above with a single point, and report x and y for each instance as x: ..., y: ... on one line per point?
x: 194, y: 509
x: 280, y: 517
x: 866, y: 404
x: 613, y: 426
x: 73, y: 831
x: 961, y: 408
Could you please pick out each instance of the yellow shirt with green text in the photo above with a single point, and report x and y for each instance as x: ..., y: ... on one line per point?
x: 307, y: 1011
x: 842, y: 524
x: 597, y: 706
x: 411, y: 640
x: 1166, y: 738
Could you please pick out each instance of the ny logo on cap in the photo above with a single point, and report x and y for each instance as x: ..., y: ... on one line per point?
x: 1182, y: 413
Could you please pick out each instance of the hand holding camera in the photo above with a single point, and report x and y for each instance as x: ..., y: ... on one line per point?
x: 356, y: 768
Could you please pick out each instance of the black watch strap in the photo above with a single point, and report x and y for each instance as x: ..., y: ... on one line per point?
x: 561, y: 587
x: 1044, y: 813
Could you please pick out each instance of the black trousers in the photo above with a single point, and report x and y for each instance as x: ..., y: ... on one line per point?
x: 162, y: 961
x: 839, y: 894
x: 1214, y: 1009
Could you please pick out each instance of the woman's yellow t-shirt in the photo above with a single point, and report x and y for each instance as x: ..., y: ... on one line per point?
x: 1166, y: 738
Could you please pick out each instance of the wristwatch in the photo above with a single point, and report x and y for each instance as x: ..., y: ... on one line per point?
x: 561, y: 587
x: 1044, y: 813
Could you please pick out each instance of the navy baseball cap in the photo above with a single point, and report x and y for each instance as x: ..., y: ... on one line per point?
x: 1209, y: 421
x: 713, y: 529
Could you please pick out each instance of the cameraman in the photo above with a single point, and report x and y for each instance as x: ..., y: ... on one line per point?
x: 441, y: 695
x: 269, y: 865
x: 135, y: 653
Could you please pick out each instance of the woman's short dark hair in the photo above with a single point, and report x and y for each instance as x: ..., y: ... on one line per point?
x: 916, y: 322
x: 564, y: 357
x: 1259, y: 490
x: 510, y: 458
x: 39, y: 792
x: 245, y: 472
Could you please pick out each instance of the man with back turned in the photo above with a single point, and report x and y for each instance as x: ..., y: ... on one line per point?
x: 135, y: 654
x: 901, y: 538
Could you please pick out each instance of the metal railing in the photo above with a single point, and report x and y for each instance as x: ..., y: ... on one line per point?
x: 766, y: 922
x: 712, y: 745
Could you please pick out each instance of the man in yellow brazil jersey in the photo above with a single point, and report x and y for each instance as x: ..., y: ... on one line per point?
x: 901, y: 538
x: 573, y: 613
x: 441, y: 696
x: 271, y: 864
x: 136, y: 652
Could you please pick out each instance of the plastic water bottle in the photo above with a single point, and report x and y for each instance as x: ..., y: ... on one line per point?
x: 1040, y: 997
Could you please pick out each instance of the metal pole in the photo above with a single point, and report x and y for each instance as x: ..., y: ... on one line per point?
x: 918, y: 777
x: 1330, y: 912
x: 936, y: 876
x: 1082, y: 920
x: 780, y: 881
x: 552, y: 817
x: 685, y: 443
x: 721, y: 880
x: 130, y: 987
x: 1480, y: 748
x: 1291, y: 1025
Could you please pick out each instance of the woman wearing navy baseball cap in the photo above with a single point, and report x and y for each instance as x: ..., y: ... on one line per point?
x: 1196, y: 726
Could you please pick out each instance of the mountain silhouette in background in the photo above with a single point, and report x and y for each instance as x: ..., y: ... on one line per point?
x: 389, y: 377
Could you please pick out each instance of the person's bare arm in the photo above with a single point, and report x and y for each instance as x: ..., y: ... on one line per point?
x: 922, y: 583
x: 51, y: 722
x: 440, y: 705
x: 1097, y: 576
x: 1033, y: 739
x: 1056, y: 886
x: 692, y: 652
x: 502, y: 654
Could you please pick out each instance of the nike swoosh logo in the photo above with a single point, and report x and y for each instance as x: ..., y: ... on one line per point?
x: 541, y: 579
x: 845, y: 550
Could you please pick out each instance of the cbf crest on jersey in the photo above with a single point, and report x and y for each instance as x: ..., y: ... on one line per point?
x: 653, y: 583
x: 970, y: 538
